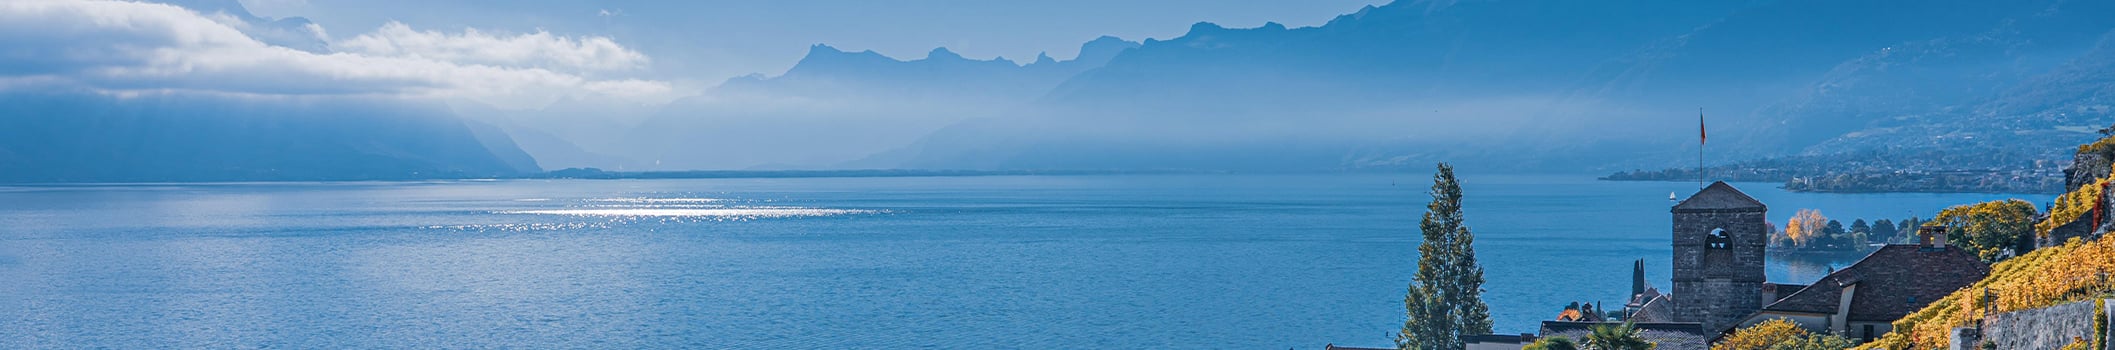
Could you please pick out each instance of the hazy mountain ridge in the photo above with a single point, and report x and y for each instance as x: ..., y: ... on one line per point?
x: 1507, y: 83
x: 1941, y: 93
x: 829, y: 72
x: 292, y: 32
x: 1342, y: 95
x: 836, y: 106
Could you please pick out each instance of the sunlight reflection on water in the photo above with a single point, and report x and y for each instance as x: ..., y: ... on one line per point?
x: 693, y: 212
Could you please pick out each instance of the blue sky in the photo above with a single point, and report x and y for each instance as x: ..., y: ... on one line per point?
x: 712, y: 40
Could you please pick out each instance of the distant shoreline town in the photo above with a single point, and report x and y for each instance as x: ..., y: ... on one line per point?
x: 2035, y: 181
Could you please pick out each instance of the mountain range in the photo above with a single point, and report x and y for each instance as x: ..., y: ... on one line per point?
x: 836, y: 107
x: 1496, y: 84
x: 1502, y: 85
x: 1509, y: 84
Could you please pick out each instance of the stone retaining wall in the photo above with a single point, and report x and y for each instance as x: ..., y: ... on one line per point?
x: 2049, y: 328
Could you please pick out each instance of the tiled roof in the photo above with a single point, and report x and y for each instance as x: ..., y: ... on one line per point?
x: 1640, y: 299
x: 1659, y: 309
x: 1782, y: 290
x: 1720, y: 197
x: 1892, y: 282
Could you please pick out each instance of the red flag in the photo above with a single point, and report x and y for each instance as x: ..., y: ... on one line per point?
x: 1700, y: 134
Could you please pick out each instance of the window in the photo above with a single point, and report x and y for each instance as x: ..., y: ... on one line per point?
x: 1718, y: 239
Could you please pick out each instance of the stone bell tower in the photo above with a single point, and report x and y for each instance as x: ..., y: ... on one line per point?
x: 1719, y: 237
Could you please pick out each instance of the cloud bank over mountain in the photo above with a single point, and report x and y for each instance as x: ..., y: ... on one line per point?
x: 539, y: 50
x: 130, y: 48
x: 203, y: 90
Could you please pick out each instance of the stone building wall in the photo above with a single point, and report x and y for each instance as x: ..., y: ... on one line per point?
x: 2047, y: 328
x: 1718, y: 287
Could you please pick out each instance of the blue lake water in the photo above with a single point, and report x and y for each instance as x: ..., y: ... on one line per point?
x: 1133, y: 261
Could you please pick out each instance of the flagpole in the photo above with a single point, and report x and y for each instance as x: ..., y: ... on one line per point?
x: 1701, y: 137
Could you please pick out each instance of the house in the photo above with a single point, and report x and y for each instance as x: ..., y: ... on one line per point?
x: 1863, y: 300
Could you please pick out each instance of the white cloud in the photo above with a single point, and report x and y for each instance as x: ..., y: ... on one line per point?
x: 540, y: 49
x: 125, y: 46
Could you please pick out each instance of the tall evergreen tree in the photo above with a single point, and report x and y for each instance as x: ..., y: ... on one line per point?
x: 1860, y: 233
x: 1884, y: 230
x: 1427, y: 319
x: 1445, y: 299
x: 1832, y: 235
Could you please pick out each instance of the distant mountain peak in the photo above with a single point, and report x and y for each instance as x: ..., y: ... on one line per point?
x: 292, y: 32
x: 824, y: 53
x: 943, y: 53
x: 229, y: 7
x: 1202, y: 27
x: 1106, y: 41
x: 820, y: 48
x: 1043, y: 58
x: 1102, y: 49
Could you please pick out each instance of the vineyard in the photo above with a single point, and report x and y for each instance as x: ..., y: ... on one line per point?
x: 2078, y: 270
x: 2071, y: 206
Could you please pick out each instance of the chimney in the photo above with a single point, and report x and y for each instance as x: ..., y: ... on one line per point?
x: 1933, y: 236
x: 1769, y: 293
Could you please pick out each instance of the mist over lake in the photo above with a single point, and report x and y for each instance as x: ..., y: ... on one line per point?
x: 1116, y: 261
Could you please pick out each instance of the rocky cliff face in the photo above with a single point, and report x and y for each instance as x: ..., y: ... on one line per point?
x: 2085, y: 168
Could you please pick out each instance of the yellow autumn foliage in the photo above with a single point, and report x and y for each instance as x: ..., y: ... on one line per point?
x: 1804, y: 227
x: 2079, y: 344
x: 2071, y: 207
x: 1761, y: 336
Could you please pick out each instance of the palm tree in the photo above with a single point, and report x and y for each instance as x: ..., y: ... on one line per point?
x: 1617, y: 337
x: 1552, y: 343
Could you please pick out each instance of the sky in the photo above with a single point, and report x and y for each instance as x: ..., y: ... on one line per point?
x: 706, y: 41
x: 525, y: 54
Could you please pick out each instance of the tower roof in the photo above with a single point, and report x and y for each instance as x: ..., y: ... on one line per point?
x: 1720, y: 197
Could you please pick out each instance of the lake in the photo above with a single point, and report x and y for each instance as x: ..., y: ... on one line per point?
x: 1115, y: 261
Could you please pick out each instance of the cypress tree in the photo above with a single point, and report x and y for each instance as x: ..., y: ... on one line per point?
x: 1445, y: 299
